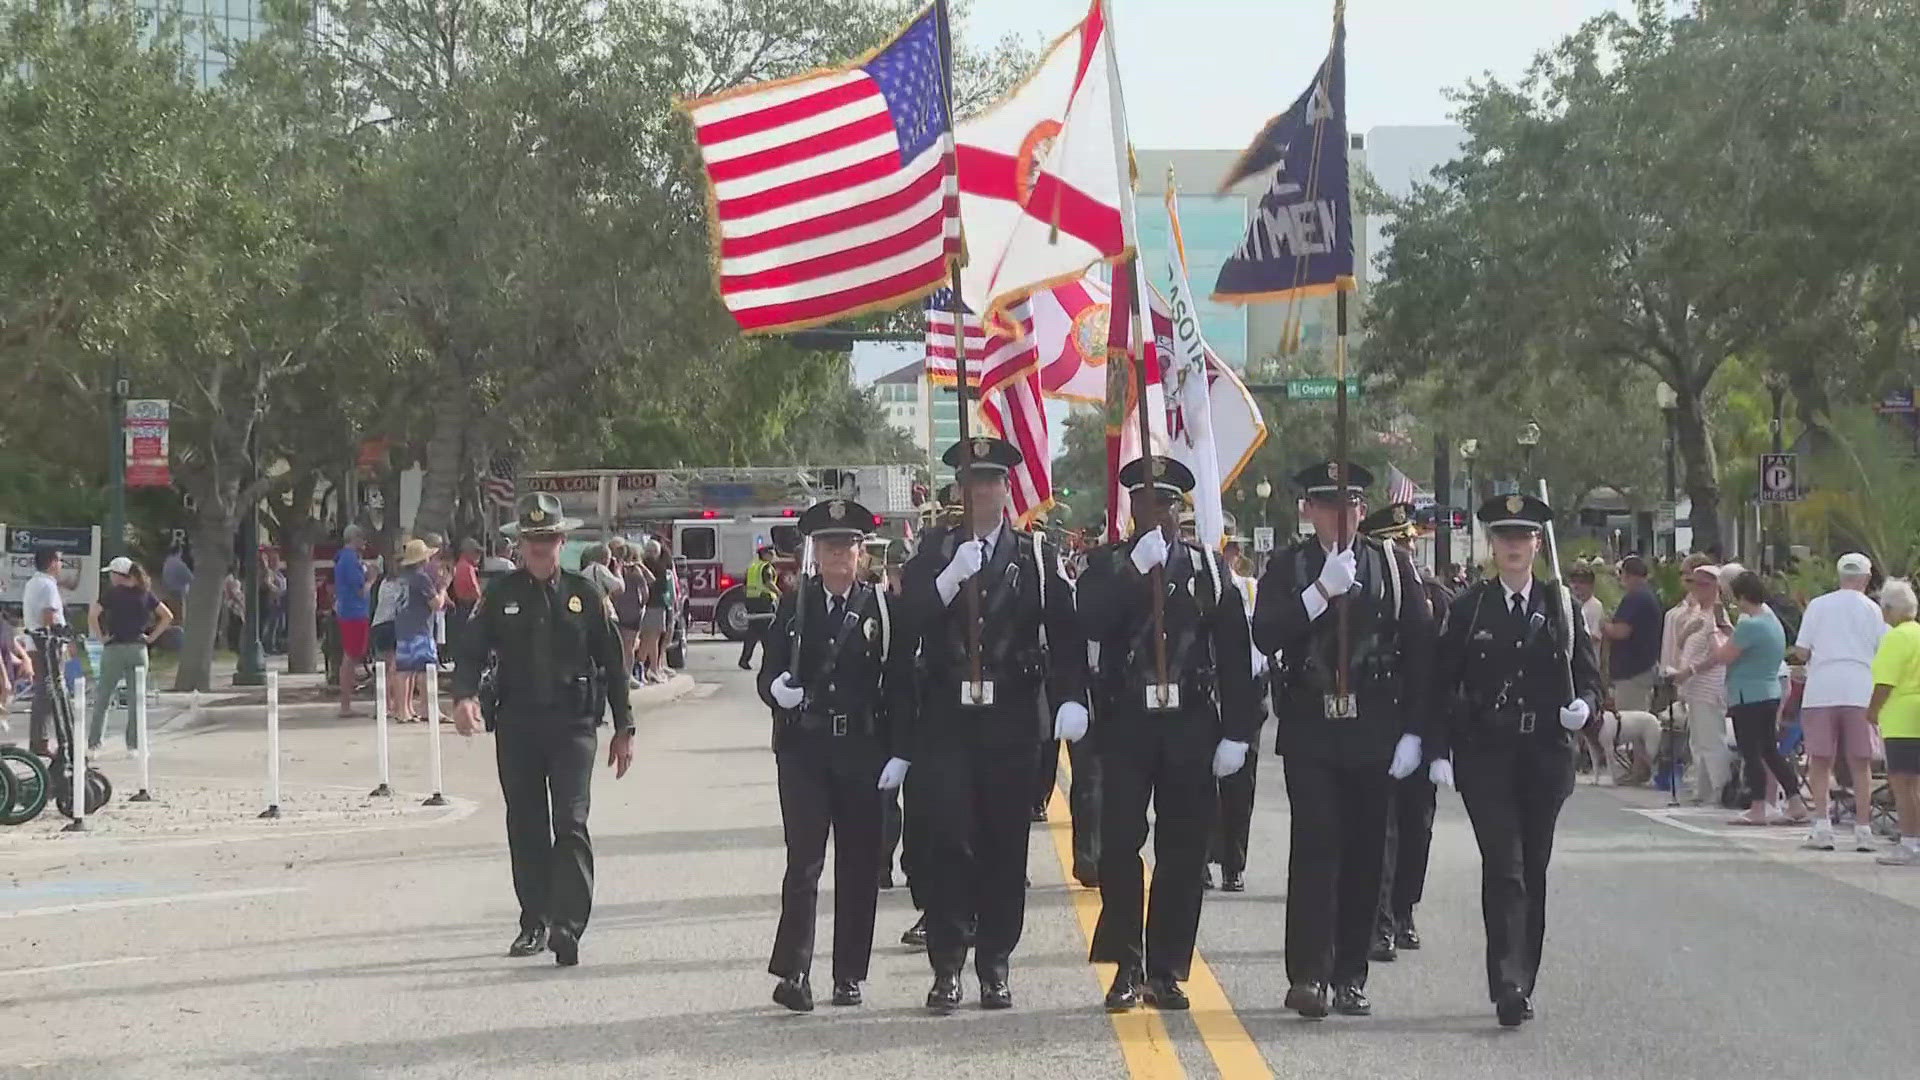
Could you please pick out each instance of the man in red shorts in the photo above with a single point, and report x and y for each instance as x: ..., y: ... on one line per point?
x: 350, y: 611
x: 1838, y: 639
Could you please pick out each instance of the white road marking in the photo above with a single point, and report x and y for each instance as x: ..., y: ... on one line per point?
x: 51, y: 968
x: 146, y: 901
x: 1737, y: 832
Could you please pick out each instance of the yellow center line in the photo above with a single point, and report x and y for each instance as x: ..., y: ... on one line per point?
x: 1144, y: 1041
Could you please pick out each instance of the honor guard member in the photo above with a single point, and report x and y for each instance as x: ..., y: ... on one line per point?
x: 1233, y: 829
x: 1517, y: 681
x: 840, y: 685
x: 557, y: 667
x: 1403, y: 876
x: 763, y: 595
x: 1338, y: 749
x: 975, y: 742
x: 1164, y: 741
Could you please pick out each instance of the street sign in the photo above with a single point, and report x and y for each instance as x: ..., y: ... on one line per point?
x: 1319, y: 389
x: 146, y: 449
x: 1263, y: 539
x: 79, y: 549
x: 1779, y: 478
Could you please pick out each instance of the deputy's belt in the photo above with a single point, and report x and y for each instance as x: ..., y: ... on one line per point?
x: 836, y: 724
x: 1523, y: 721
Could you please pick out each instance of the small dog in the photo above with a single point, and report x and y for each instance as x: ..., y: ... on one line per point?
x: 1629, y: 742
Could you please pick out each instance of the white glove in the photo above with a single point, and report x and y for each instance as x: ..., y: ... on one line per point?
x: 1228, y: 758
x: 1340, y: 572
x: 1406, y: 757
x: 1441, y: 772
x: 1574, y: 715
x: 784, y: 693
x: 967, y: 560
x: 1070, y: 722
x: 1259, y: 664
x: 1150, y: 551
x: 893, y: 774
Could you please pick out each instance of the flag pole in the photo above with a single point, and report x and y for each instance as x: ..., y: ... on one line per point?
x: 956, y: 308
x: 1340, y: 672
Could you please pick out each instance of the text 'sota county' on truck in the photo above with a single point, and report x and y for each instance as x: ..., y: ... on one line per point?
x: 716, y: 518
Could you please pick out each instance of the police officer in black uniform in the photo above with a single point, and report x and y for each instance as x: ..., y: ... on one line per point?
x: 1339, y: 752
x: 558, y: 666
x: 1516, y: 676
x: 1162, y: 741
x: 1403, y: 876
x: 839, y: 678
x: 975, y: 742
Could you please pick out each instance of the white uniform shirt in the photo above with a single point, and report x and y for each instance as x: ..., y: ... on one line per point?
x: 1842, y: 630
x: 42, y: 591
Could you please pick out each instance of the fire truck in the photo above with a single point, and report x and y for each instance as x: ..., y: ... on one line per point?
x: 715, y: 519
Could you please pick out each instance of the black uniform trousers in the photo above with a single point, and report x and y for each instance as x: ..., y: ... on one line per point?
x: 1084, y: 803
x: 760, y: 611
x: 828, y: 783
x: 1167, y: 759
x: 1046, y: 773
x: 1513, y: 792
x: 903, y: 828
x: 546, y: 769
x: 1235, y: 822
x: 977, y: 799
x: 1333, y: 868
x: 1403, y: 876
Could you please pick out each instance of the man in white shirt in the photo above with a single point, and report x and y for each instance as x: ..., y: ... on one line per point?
x: 41, y: 607
x: 1838, y: 639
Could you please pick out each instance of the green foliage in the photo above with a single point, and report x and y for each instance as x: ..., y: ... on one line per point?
x: 1869, y: 496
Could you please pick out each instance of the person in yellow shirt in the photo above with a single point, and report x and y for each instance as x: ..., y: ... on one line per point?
x: 1895, y: 710
x: 763, y: 595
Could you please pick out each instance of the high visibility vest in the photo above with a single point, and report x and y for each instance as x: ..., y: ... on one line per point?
x: 760, y: 580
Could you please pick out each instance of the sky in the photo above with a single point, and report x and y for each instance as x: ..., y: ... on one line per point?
x: 1206, y: 74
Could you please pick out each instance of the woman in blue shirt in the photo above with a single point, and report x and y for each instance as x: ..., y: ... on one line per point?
x: 1753, y: 657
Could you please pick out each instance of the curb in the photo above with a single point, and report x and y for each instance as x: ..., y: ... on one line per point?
x: 195, y: 716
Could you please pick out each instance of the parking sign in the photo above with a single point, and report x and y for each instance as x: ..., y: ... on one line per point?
x: 1779, y: 478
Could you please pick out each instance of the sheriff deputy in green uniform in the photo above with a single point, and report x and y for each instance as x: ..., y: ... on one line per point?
x: 557, y: 656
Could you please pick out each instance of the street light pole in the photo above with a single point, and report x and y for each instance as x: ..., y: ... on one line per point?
x: 1529, y: 438
x: 1669, y: 403
x: 1468, y: 451
x: 251, y: 666
x: 1774, y: 549
x: 114, y: 543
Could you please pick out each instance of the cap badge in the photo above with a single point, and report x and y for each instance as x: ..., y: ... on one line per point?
x: 836, y: 510
x: 1159, y: 467
x: 536, y: 515
x: 1515, y: 504
x: 981, y: 448
x: 1333, y: 470
x: 1400, y: 515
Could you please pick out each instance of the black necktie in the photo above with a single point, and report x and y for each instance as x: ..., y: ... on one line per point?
x: 1517, y: 605
x: 835, y: 609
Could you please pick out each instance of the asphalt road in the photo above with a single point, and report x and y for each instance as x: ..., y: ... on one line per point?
x: 1676, y: 948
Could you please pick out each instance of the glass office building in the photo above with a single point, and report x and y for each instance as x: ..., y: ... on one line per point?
x: 1212, y: 227
x: 210, y: 29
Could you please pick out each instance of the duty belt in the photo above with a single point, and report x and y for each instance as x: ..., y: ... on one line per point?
x: 837, y: 724
x: 1524, y: 721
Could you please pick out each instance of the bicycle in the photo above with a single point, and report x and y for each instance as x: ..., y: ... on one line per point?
x: 52, y: 642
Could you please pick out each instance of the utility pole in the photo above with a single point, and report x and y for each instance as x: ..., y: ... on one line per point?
x: 1443, y: 508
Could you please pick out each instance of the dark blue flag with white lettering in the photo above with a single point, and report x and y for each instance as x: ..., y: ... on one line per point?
x: 1300, y: 241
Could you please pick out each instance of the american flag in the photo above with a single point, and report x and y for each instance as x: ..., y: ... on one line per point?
x: 834, y: 194
x: 1400, y: 487
x: 993, y: 359
x: 1017, y: 412
x: 498, y: 485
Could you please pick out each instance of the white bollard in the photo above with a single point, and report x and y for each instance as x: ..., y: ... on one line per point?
x: 433, y: 736
x: 77, y: 790
x: 137, y: 712
x: 380, y: 732
x: 273, y: 746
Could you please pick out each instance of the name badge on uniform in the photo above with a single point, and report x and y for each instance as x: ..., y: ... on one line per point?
x: 1483, y: 635
x: 573, y: 604
x: 510, y: 609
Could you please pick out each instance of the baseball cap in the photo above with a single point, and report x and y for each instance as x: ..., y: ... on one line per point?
x: 121, y: 566
x: 1854, y: 563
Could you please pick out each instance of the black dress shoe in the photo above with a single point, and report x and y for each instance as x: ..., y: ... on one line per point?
x: 945, y: 995
x: 530, y: 942
x: 566, y: 947
x: 1349, y: 1001
x: 1308, y: 999
x: 1039, y: 815
x: 1233, y: 882
x: 1088, y: 876
x: 996, y: 995
x: 746, y: 665
x: 1163, y: 992
x: 1406, y: 937
x: 886, y: 879
x: 1124, y: 994
x: 916, y: 935
x: 1384, y: 951
x: 1206, y: 877
x: 795, y: 992
x: 846, y: 992
x: 1512, y: 1007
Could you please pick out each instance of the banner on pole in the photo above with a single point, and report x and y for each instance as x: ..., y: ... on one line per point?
x: 147, y: 445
